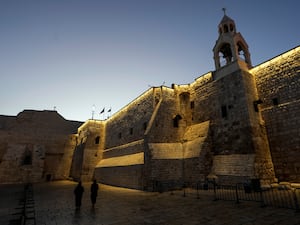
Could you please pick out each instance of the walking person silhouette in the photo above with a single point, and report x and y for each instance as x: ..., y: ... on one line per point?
x: 94, y: 192
x: 78, y: 194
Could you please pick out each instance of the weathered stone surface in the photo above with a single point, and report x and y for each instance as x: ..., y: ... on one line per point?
x: 278, y: 85
x: 36, y: 146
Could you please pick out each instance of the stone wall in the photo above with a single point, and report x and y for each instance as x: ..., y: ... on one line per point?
x: 166, y: 162
x: 235, y: 124
x: 226, y: 99
x: 130, y: 123
x: 198, y: 153
x: 163, y: 128
x: 235, y: 129
x: 278, y: 87
x: 90, y: 141
x: 62, y: 171
x: 232, y: 130
x: 128, y: 176
x: 123, y: 151
x: 186, y: 161
x: 151, y: 116
x: 35, y: 146
x: 203, y: 97
x: 122, y: 166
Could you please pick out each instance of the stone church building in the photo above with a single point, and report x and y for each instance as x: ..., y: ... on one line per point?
x: 237, y: 123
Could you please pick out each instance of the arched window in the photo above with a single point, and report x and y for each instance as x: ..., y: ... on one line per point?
x: 97, y: 140
x: 225, y: 28
x: 241, y: 51
x: 220, y: 30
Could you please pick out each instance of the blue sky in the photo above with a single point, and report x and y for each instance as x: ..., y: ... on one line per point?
x: 82, y: 55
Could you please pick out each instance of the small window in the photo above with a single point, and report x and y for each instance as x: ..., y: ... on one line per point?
x: 120, y: 135
x: 145, y: 125
x: 27, y: 159
x: 176, y: 120
x: 131, y: 131
x: 192, y: 104
x: 275, y: 101
x: 256, y: 103
x: 97, y: 140
x: 175, y: 123
x: 224, y: 111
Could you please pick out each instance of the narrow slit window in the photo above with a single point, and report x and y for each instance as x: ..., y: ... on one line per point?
x: 145, y: 125
x: 255, y: 105
x: 97, y: 140
x: 224, y: 111
x: 275, y: 101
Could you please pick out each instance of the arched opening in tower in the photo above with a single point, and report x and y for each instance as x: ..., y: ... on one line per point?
x: 241, y: 51
x: 225, y: 54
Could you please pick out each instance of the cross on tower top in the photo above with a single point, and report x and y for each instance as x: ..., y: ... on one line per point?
x: 224, y: 10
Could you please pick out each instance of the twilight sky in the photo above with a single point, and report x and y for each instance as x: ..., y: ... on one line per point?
x: 82, y: 55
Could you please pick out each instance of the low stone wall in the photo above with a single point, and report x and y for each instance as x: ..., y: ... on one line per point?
x: 233, y: 168
x: 125, y: 176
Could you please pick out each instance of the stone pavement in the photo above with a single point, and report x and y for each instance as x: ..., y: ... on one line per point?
x: 55, y: 205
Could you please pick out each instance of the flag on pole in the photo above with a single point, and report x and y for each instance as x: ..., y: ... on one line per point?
x: 102, y: 110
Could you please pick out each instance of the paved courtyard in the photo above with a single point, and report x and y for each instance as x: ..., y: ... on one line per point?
x: 55, y: 205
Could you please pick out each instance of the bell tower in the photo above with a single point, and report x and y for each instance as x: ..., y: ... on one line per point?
x: 230, y: 46
x: 239, y: 137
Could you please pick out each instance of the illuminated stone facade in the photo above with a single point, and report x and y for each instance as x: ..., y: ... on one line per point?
x: 36, y: 146
x: 234, y: 124
x: 278, y: 85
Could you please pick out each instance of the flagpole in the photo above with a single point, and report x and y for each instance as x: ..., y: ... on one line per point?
x: 102, y: 112
x: 109, y: 111
x: 93, y: 111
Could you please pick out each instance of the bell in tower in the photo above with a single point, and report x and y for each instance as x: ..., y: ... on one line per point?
x: 230, y: 46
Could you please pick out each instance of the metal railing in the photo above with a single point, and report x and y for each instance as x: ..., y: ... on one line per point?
x: 281, y: 196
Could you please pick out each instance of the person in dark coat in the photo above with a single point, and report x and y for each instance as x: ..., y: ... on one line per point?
x: 78, y: 194
x: 94, y: 192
